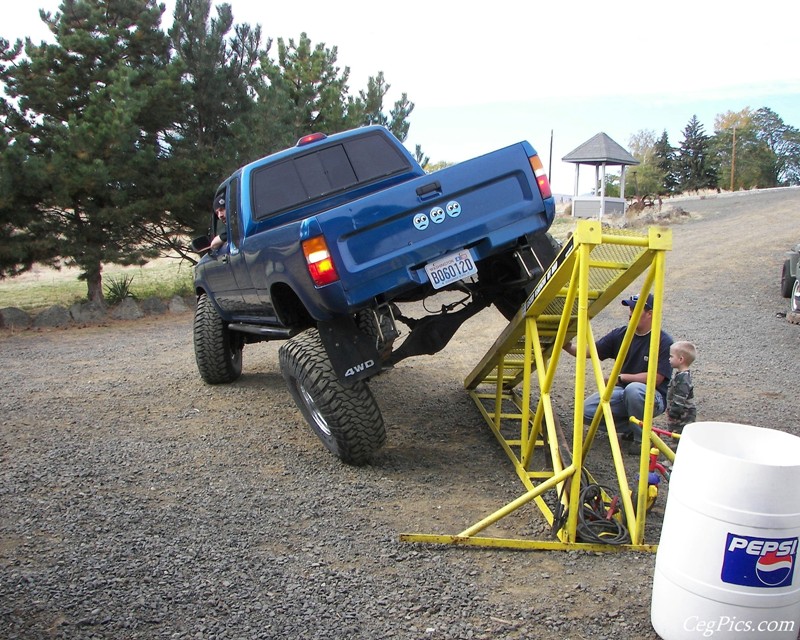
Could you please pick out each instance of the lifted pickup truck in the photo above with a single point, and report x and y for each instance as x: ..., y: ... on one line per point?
x: 327, y: 239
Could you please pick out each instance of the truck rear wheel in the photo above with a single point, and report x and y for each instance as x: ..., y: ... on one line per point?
x: 346, y: 418
x: 217, y: 350
x: 546, y: 249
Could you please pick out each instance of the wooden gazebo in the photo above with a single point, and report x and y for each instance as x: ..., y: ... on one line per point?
x: 599, y: 152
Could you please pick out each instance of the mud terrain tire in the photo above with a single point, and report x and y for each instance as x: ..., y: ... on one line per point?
x: 345, y: 417
x: 217, y: 350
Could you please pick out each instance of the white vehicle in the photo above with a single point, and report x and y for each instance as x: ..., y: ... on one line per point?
x: 796, y: 297
x: 789, y: 272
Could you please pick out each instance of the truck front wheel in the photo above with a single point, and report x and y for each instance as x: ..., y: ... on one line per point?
x: 217, y: 350
x: 346, y: 418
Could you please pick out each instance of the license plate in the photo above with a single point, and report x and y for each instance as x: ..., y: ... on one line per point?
x: 451, y: 268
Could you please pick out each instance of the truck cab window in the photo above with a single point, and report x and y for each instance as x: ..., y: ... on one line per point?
x: 324, y: 172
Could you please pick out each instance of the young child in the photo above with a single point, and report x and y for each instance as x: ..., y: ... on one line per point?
x: 681, y: 409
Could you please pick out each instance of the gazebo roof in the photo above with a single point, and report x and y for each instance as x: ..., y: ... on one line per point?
x: 600, y: 150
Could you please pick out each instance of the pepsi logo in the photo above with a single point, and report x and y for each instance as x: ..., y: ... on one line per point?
x: 759, y: 562
x: 773, y: 569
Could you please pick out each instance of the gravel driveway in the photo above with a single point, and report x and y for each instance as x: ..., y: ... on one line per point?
x: 137, y: 502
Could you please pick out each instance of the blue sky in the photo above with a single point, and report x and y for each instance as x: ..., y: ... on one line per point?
x: 492, y: 74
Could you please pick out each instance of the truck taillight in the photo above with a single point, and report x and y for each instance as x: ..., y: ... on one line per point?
x: 320, y: 263
x: 541, y: 176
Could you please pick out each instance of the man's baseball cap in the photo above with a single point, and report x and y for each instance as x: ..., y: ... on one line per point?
x: 219, y: 202
x: 631, y: 302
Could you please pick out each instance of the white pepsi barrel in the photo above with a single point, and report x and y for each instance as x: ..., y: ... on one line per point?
x: 726, y: 565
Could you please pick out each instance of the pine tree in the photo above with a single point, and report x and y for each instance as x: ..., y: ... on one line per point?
x: 304, y: 91
x: 219, y: 64
x: 696, y: 168
x: 112, y: 148
x: 20, y: 248
x: 88, y: 129
x: 369, y: 110
x: 665, y: 162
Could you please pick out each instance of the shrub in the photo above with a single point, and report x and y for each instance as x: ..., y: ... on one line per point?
x: 119, y: 289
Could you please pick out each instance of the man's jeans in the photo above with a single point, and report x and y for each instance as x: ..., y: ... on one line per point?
x: 625, y: 402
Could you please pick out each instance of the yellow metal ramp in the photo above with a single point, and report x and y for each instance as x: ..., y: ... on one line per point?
x: 512, y: 386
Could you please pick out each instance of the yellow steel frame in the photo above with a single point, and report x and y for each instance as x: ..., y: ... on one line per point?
x: 594, y: 268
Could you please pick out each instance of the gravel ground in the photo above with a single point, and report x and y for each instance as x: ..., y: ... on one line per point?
x: 137, y: 502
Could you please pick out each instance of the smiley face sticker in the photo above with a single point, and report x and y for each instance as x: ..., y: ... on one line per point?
x: 437, y: 215
x: 453, y: 209
x: 421, y: 221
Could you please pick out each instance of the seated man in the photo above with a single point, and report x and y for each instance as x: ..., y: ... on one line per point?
x: 628, y: 397
x: 222, y: 229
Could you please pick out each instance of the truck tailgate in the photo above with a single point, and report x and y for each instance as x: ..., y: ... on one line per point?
x: 382, y: 242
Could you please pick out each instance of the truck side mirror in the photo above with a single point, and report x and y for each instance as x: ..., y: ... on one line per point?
x: 200, y: 244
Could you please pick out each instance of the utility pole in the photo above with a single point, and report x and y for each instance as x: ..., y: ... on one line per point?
x: 733, y: 156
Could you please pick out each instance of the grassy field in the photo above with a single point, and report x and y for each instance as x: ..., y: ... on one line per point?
x: 42, y: 288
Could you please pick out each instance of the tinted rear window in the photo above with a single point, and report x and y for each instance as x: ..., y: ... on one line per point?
x: 323, y: 172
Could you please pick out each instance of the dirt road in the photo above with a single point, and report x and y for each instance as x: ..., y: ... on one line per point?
x: 137, y: 502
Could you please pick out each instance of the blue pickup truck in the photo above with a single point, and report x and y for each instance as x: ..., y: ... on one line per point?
x: 325, y: 241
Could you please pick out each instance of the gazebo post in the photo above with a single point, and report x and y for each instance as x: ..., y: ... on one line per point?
x: 603, y: 191
x: 622, y: 182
